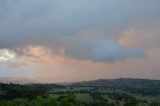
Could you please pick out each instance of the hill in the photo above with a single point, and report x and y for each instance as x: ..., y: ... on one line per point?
x: 143, y: 86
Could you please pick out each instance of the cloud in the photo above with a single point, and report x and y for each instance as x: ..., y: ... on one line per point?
x: 6, y: 55
x: 99, y: 48
x: 59, y: 26
x: 143, y: 35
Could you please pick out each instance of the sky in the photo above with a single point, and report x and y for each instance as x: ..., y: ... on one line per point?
x: 75, y: 40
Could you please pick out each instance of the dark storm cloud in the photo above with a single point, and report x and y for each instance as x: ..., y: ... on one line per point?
x: 57, y: 24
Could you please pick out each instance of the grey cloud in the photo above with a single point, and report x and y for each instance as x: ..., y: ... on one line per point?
x: 99, y: 48
x: 56, y: 23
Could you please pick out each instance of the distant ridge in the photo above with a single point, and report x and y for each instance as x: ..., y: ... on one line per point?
x: 132, y: 85
x: 98, y: 82
x: 16, y: 80
x: 132, y: 82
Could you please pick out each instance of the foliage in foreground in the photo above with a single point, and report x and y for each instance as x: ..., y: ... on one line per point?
x: 70, y: 99
x: 37, y: 95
